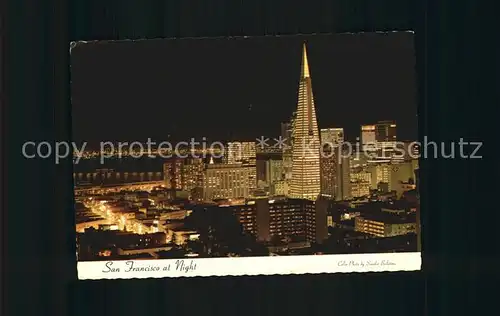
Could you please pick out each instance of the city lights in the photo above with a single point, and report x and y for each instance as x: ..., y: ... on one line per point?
x: 310, y: 191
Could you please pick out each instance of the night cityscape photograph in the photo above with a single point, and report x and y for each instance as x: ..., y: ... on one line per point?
x: 245, y: 147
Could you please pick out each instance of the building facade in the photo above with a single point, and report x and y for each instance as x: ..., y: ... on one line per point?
x: 361, y: 182
x: 172, y: 173
x: 368, y: 139
x: 274, y: 171
x: 384, y: 225
x: 329, y: 170
x: 344, y: 178
x: 224, y: 181
x: 294, y: 219
x: 192, y: 171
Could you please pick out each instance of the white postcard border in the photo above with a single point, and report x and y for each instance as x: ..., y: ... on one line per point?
x: 205, y: 267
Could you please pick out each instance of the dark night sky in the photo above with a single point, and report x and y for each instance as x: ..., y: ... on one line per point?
x: 132, y: 90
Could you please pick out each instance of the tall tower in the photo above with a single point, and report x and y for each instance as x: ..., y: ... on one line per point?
x: 306, y: 180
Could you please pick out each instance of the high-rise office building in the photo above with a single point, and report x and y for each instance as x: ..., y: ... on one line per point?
x: 368, y: 139
x: 274, y: 171
x: 332, y: 136
x: 172, y: 173
x: 184, y: 174
x: 361, y: 182
x: 252, y: 176
x: 385, y: 134
x: 305, y: 182
x: 244, y: 153
x: 224, y: 181
x: 382, y: 174
x: 268, y: 165
x: 329, y: 169
x: 192, y: 171
x: 297, y: 219
x: 344, y: 178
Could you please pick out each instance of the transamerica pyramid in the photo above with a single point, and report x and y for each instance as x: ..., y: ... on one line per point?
x: 305, y: 182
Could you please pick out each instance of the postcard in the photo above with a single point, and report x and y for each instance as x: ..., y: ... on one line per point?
x: 245, y: 155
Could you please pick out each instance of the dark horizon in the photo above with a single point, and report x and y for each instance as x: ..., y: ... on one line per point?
x: 239, y: 89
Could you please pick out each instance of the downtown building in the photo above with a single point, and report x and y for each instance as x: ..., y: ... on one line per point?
x: 287, y: 155
x: 385, y: 225
x: 184, y: 175
x: 361, y: 182
x: 172, y: 173
x: 227, y: 181
x: 273, y: 177
x: 305, y: 180
x: 193, y: 169
x: 368, y: 137
x: 272, y: 174
x: 343, y: 176
x: 329, y: 172
x: 335, y: 174
x: 244, y: 154
x: 284, y: 218
x: 330, y: 166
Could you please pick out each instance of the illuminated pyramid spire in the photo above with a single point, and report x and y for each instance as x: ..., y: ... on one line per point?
x: 305, y: 182
x: 305, y: 65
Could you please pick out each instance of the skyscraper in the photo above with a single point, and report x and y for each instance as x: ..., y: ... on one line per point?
x: 274, y: 171
x: 361, y: 182
x: 329, y: 168
x: 368, y: 138
x: 192, y: 175
x: 172, y: 173
x: 343, y: 178
x: 305, y: 182
x: 244, y: 153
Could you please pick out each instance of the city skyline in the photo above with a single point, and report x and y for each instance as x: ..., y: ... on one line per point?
x: 232, y: 116
x: 287, y: 189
